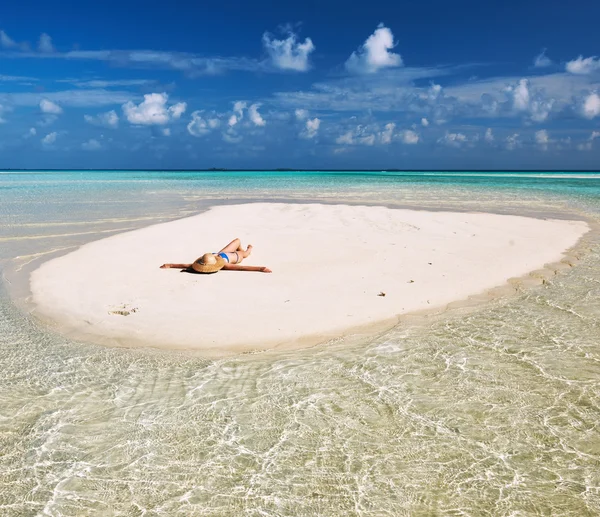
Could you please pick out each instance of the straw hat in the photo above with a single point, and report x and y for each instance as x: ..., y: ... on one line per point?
x: 208, y: 263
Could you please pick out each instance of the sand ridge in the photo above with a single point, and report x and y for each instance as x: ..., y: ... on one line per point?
x: 331, y: 266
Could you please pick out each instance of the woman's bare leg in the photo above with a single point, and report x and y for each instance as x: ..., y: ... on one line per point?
x: 237, y: 256
x: 234, y: 245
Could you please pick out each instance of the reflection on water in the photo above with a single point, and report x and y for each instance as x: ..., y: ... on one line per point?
x: 494, y: 412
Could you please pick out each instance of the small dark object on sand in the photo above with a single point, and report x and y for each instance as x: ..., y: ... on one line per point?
x: 381, y: 294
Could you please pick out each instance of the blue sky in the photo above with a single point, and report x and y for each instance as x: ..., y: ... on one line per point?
x: 326, y: 84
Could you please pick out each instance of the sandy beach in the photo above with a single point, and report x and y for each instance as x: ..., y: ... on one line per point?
x: 336, y: 268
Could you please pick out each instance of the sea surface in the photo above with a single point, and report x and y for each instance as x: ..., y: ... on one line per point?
x: 493, y: 411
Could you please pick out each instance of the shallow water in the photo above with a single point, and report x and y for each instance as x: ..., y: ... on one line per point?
x: 494, y: 411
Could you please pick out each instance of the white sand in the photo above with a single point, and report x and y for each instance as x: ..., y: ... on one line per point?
x: 329, y: 264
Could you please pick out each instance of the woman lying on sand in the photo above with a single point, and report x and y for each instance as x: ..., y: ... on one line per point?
x: 228, y: 258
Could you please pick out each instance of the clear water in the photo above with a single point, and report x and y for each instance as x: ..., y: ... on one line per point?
x: 491, y: 412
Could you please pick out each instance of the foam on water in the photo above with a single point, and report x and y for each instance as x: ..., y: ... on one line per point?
x: 490, y: 412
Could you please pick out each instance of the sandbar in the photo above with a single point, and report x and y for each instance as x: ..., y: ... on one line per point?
x: 336, y: 268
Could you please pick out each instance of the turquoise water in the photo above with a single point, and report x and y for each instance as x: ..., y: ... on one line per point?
x: 490, y: 412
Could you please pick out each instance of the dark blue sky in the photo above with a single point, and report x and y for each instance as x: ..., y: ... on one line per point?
x: 326, y: 84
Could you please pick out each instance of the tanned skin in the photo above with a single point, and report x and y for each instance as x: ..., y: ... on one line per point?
x: 235, y: 253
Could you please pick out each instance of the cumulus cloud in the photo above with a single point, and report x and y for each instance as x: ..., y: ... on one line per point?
x: 50, y: 107
x: 512, y: 142
x: 153, y: 110
x: 288, y: 54
x: 409, y: 137
x: 540, y: 109
x: 91, y: 145
x: 109, y: 119
x: 50, y: 138
x: 311, y: 128
x: 520, y: 95
x: 453, y: 139
x: 200, y: 126
x: 371, y: 135
x: 489, y: 135
x: 374, y: 54
x: 301, y: 114
x: 358, y: 136
x: 424, y: 122
x: 255, y: 116
x: 45, y: 44
x: 385, y: 136
x: 542, y: 60
x: 587, y: 146
x: 32, y: 131
x: 542, y: 138
x: 238, y: 113
x: 583, y: 66
x: 591, y: 106
x: 535, y: 104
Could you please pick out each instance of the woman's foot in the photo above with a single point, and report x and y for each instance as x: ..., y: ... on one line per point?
x: 248, y: 250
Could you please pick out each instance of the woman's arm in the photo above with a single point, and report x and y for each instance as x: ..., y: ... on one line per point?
x: 236, y: 267
x: 178, y: 266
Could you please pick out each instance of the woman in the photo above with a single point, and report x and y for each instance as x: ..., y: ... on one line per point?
x: 228, y: 258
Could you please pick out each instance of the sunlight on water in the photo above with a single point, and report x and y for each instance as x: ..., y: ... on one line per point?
x: 490, y: 412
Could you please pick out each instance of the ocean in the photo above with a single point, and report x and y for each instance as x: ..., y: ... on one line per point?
x: 490, y: 411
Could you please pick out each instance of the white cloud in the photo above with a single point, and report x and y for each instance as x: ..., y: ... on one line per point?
x: 255, y: 116
x: 301, y: 114
x: 153, y: 110
x: 409, y: 137
x: 542, y: 60
x: 288, y: 54
x: 32, y: 131
x: 6, y: 41
x: 489, y: 135
x: 201, y: 126
x: 50, y: 107
x: 109, y: 119
x: 375, y: 53
x: 45, y: 44
x: 370, y: 135
x: 512, y: 142
x: 536, y: 104
x: 424, y: 122
x: 542, y: 138
x: 108, y: 84
x: 453, y: 139
x: 232, y: 138
x: 366, y: 140
x: 75, y: 98
x: 385, y: 136
x: 358, y: 136
x: 166, y: 131
x: 311, y: 128
x: 583, y: 66
x: 587, y: 146
x: 539, y: 109
x: 346, y: 138
x: 50, y: 138
x: 238, y: 113
x: 91, y: 145
x: 591, y: 106
x: 520, y: 95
